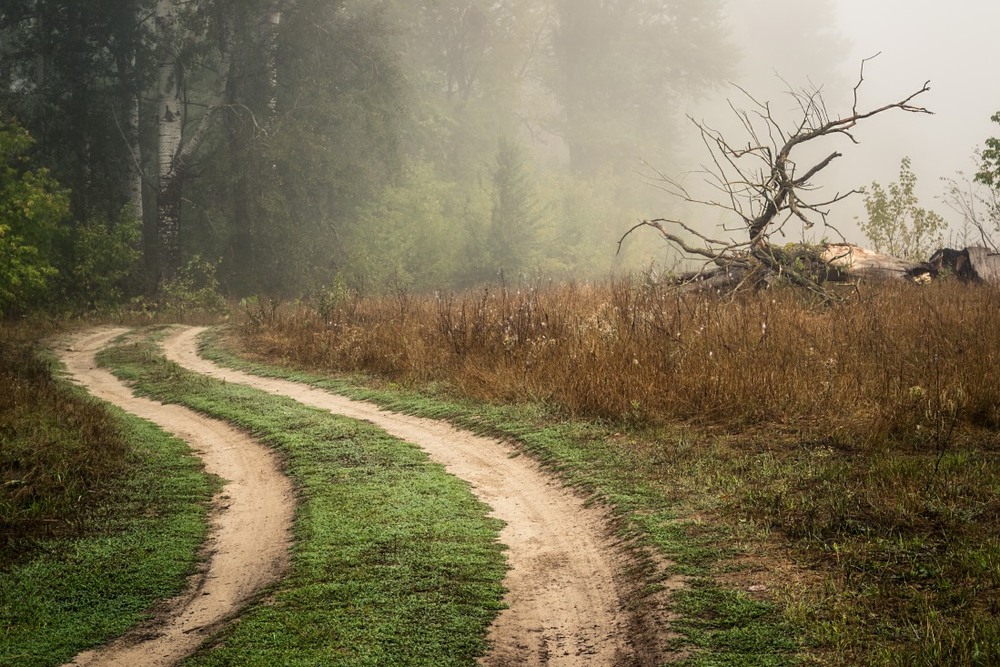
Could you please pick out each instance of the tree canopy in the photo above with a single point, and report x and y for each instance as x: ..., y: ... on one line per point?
x: 289, y: 143
x: 989, y: 170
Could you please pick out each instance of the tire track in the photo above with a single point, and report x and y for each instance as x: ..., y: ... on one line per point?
x: 250, y: 520
x: 566, y: 594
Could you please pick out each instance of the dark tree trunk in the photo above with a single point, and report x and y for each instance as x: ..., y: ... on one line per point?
x: 168, y: 228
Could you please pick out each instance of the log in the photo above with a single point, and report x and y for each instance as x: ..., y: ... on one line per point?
x: 972, y: 264
x: 857, y: 262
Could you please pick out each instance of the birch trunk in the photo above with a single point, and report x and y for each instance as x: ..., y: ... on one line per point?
x: 135, y: 198
x: 269, y: 36
x: 126, y: 68
x: 175, y: 147
x: 169, y: 132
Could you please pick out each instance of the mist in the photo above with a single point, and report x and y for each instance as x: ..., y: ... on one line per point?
x: 376, y: 144
x: 821, y: 44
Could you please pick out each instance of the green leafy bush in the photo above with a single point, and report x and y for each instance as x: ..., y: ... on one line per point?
x: 897, y: 224
x: 194, y: 290
x: 106, y: 257
x: 31, y: 206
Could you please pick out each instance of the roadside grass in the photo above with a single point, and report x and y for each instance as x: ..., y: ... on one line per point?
x: 395, y: 562
x: 836, y: 464
x: 101, y: 514
x: 717, y: 625
x: 49, y: 461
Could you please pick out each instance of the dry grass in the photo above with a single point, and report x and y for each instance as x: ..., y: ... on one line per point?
x: 860, y: 438
x: 59, y: 451
x: 912, y: 364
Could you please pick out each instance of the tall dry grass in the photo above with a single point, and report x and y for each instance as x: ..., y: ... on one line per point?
x: 60, y: 452
x: 895, y: 361
x: 862, y: 437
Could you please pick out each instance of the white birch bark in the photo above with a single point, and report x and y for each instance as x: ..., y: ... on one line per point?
x: 175, y: 146
x: 135, y: 198
x: 169, y: 132
x: 269, y: 28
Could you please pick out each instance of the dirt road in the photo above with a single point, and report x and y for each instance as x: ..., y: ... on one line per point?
x: 566, y: 591
x: 565, y: 600
x: 250, y: 529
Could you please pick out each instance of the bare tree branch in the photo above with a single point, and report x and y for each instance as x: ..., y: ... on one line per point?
x: 758, y: 181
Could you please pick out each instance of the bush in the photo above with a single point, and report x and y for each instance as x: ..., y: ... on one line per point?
x: 106, y: 259
x: 896, y: 224
x: 31, y: 206
x: 195, y: 290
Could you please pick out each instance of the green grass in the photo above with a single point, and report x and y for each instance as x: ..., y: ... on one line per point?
x: 395, y: 562
x: 718, y: 625
x: 101, y: 536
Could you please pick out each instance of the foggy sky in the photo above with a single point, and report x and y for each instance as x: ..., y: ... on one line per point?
x: 952, y: 44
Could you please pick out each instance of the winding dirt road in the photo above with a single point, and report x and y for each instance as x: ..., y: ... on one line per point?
x: 566, y: 593
x: 250, y: 529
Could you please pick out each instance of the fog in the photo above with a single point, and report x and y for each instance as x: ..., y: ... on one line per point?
x: 822, y: 43
x: 953, y: 45
x: 381, y: 143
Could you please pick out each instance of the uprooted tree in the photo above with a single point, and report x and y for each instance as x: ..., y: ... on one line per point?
x: 762, y: 184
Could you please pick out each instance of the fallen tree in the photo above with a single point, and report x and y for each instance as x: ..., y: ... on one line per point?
x: 761, y: 184
x: 972, y: 264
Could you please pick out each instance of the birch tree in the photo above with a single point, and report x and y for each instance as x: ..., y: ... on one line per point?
x: 270, y: 27
x: 169, y: 135
x: 180, y: 134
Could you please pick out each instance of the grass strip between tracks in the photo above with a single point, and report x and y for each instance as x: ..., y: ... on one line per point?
x: 395, y: 562
x: 134, y: 534
x: 716, y: 625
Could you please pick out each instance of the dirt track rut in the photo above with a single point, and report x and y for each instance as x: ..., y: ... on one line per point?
x: 565, y: 587
x: 565, y: 605
x: 251, y: 520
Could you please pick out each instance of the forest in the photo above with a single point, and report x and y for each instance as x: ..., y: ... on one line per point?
x: 277, y: 147
x: 270, y: 147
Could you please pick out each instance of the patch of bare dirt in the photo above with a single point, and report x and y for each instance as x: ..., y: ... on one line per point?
x: 570, y: 600
x: 250, y: 530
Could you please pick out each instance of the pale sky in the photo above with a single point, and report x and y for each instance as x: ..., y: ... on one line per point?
x: 953, y: 44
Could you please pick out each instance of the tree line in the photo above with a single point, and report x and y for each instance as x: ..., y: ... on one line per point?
x: 287, y: 142
x: 277, y: 146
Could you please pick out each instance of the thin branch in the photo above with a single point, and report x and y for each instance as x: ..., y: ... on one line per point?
x: 708, y: 252
x: 758, y: 181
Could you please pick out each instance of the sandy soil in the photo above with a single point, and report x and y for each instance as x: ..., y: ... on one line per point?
x: 566, y: 592
x: 250, y: 530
